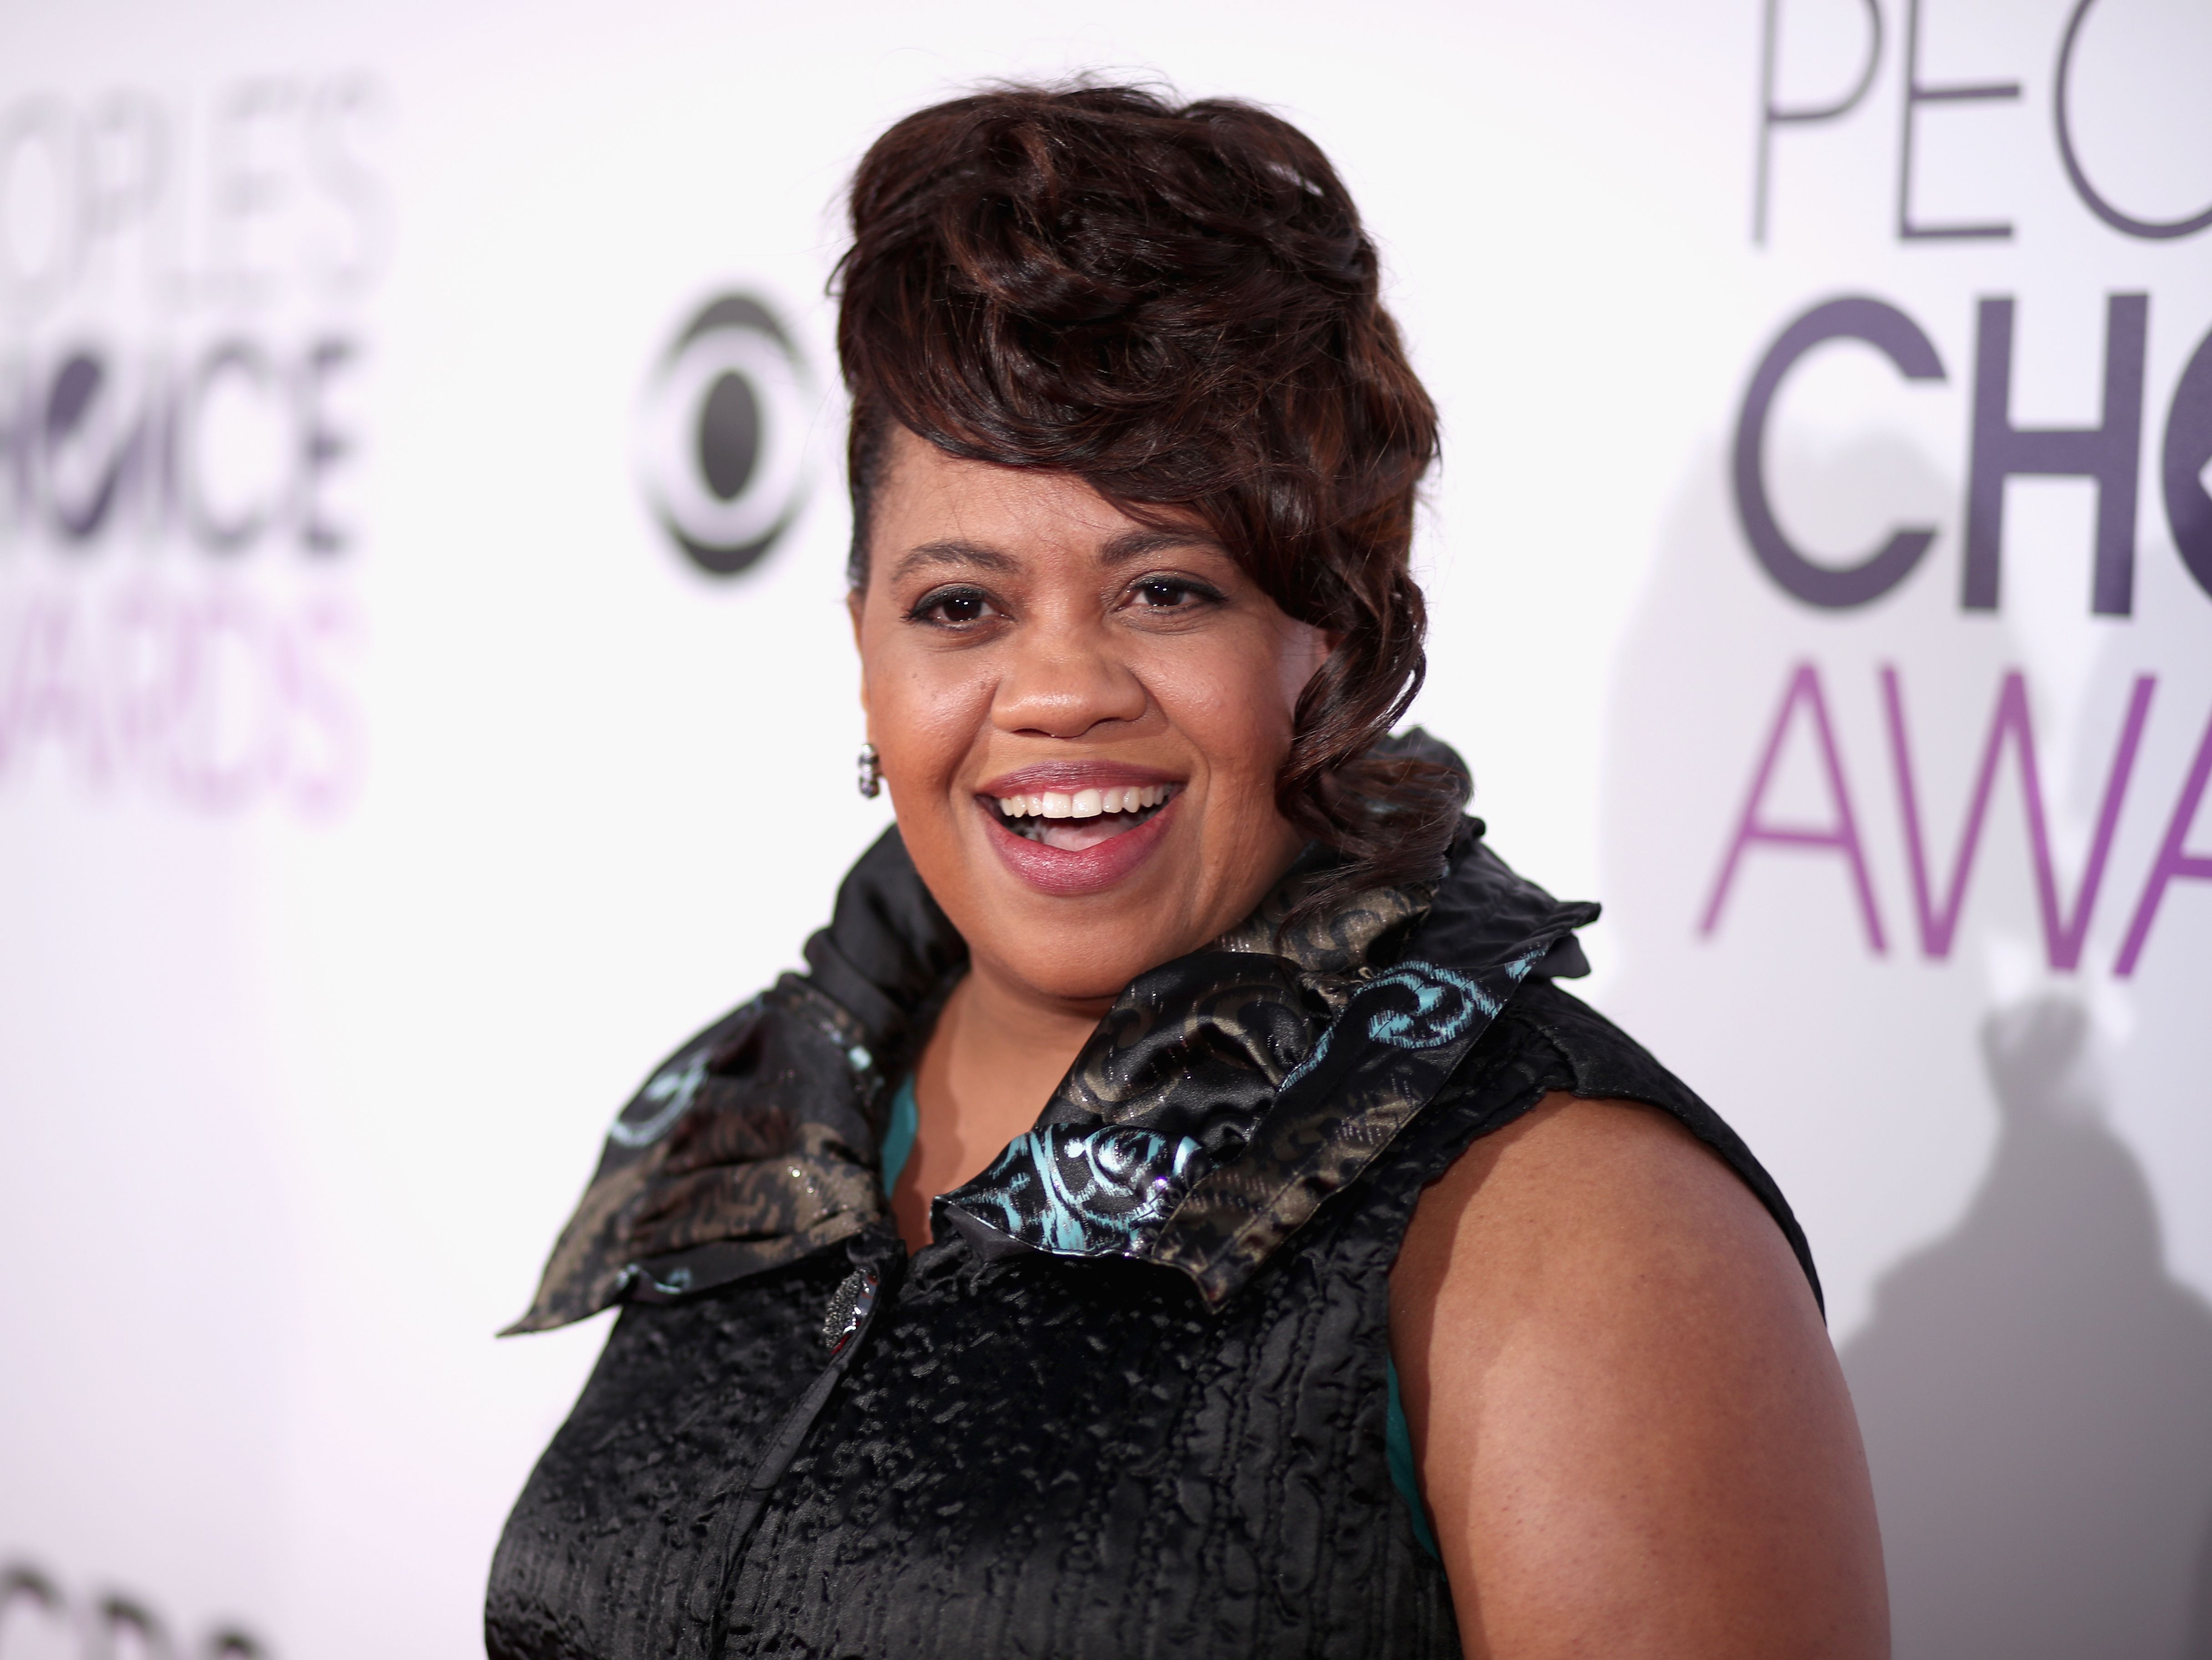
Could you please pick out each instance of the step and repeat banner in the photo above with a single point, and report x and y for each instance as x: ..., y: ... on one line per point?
x: 425, y: 696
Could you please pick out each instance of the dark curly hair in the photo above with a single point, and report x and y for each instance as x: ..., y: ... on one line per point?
x: 1176, y: 304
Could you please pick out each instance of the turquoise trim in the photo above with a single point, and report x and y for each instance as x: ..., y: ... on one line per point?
x: 1101, y: 1191
x: 1397, y: 1450
x: 898, y: 1134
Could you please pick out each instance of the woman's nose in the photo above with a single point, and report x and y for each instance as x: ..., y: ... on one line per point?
x: 1062, y: 682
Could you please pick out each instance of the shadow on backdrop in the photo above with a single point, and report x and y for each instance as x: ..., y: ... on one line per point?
x: 2197, y: 1645
x: 2035, y: 1390
x: 2036, y: 1393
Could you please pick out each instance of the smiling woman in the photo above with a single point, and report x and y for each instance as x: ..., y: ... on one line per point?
x: 1051, y: 614
x: 1177, y: 1212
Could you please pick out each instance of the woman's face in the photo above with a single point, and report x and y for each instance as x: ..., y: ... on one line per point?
x: 1080, y: 717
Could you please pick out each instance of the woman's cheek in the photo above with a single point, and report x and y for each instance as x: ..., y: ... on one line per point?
x: 1229, y: 698
x: 924, y: 726
x: 927, y: 716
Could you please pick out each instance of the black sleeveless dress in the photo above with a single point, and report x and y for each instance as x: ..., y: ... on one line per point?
x: 1132, y: 1401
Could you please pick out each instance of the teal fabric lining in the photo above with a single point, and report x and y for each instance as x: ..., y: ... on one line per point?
x: 1397, y: 1450
x: 1397, y: 1434
x: 899, y: 1135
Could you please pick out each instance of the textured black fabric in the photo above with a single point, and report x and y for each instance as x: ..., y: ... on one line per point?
x: 1035, y: 1456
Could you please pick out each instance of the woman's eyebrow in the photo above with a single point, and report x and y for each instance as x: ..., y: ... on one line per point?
x: 1130, y: 545
x: 953, y: 552
x: 1141, y: 543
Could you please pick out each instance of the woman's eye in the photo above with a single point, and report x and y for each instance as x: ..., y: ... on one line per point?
x: 1169, y: 594
x: 952, y: 607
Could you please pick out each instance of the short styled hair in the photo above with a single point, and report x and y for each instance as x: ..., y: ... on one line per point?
x: 1177, y: 304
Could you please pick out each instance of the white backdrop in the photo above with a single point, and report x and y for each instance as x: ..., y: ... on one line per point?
x: 382, y: 791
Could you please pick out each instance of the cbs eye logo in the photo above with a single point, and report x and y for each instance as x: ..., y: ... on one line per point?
x: 722, y: 439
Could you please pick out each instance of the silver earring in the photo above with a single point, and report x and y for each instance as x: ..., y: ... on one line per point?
x: 872, y: 772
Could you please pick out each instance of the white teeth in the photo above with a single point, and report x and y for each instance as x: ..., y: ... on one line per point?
x: 1085, y: 804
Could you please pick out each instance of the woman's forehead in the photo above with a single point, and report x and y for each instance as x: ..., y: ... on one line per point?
x: 939, y: 510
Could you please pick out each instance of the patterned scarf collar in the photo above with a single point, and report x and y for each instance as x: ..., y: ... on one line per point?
x: 1224, y: 1097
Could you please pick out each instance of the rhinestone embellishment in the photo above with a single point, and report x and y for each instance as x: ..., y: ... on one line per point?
x: 848, y: 1305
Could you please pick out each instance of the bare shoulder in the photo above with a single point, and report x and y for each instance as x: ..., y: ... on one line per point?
x: 1632, y: 1433
x: 1590, y: 1197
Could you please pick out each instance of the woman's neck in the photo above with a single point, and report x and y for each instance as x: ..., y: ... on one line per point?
x: 990, y: 1065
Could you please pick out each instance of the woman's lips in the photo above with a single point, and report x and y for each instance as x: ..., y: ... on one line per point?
x: 1067, y: 872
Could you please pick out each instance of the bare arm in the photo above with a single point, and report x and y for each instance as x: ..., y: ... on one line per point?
x: 1633, y: 1433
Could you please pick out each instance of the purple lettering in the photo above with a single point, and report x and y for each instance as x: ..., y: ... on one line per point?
x: 19, y: 443
x: 320, y: 444
x: 2106, y: 453
x: 94, y: 452
x: 1916, y: 95
x: 1773, y: 115
x: 325, y: 744
x: 1899, y: 339
x: 52, y: 691
x: 2188, y: 446
x: 2171, y: 861
x: 2062, y: 936
x: 247, y: 363
x: 2092, y: 198
x: 1843, y: 837
x: 230, y: 741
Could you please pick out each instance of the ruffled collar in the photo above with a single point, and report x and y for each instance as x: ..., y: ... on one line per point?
x: 1222, y: 1100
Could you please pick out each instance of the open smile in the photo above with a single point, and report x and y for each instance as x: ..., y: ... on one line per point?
x: 1076, y: 818
x: 1072, y: 828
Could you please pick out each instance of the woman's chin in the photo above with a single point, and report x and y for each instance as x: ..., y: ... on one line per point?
x: 1080, y: 872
